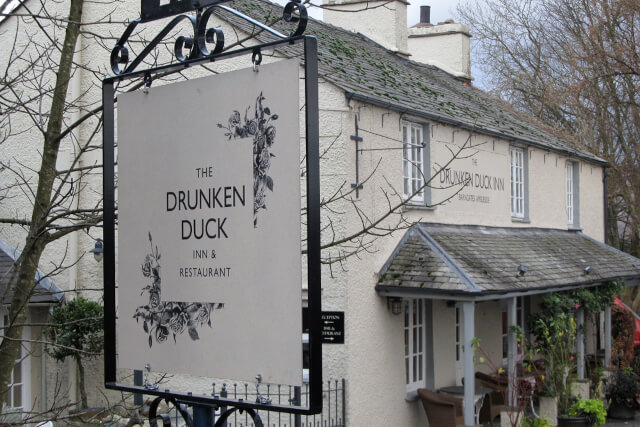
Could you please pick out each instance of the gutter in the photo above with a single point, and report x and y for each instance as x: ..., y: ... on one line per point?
x: 391, y: 106
x: 447, y: 294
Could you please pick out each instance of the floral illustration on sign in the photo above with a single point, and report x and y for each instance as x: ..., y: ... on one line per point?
x: 263, y: 131
x: 160, y: 318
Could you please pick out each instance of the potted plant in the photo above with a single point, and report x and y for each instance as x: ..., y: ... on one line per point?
x: 555, y: 340
x: 584, y: 412
x: 548, y: 402
x: 621, y: 393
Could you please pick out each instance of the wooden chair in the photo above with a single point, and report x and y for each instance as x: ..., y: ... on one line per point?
x: 442, y: 410
x: 494, y: 402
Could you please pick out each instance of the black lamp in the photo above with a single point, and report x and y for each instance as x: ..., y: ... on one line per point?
x: 98, y: 250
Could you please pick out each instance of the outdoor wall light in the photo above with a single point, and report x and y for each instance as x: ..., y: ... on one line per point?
x: 394, y: 304
x: 98, y: 250
x: 522, y: 269
x: 588, y: 270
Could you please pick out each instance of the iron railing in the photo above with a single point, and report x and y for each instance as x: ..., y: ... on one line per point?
x: 333, y: 404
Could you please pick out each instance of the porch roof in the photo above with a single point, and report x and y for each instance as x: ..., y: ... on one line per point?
x: 476, y: 261
x: 45, y: 291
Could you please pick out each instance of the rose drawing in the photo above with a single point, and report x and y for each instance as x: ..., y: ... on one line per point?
x: 161, y: 318
x: 262, y: 129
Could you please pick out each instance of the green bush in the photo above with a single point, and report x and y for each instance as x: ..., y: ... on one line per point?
x: 76, y: 331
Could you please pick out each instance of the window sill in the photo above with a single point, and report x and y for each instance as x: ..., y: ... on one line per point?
x: 412, y: 396
x: 522, y: 220
x: 574, y: 228
x: 418, y: 207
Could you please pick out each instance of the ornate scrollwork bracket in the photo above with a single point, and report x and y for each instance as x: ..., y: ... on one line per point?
x: 206, y: 42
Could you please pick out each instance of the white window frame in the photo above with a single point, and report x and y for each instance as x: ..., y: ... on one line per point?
x: 572, y: 189
x: 569, y: 192
x: 414, y: 159
x: 24, y: 362
x: 518, y: 166
x: 414, y: 343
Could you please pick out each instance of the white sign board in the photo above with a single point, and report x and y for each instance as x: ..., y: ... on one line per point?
x: 209, y: 264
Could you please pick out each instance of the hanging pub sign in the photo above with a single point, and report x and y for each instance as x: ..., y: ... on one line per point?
x: 209, y: 228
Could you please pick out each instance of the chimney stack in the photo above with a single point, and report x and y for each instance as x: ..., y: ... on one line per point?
x: 425, y: 14
x: 383, y: 21
x: 445, y: 45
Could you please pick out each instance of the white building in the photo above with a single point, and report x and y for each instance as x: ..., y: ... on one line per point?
x: 511, y: 211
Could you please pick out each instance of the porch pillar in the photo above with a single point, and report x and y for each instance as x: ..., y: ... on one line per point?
x: 607, y: 336
x: 580, y: 342
x: 512, y: 350
x: 469, y: 309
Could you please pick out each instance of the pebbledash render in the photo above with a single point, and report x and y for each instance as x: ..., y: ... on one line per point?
x: 510, y: 211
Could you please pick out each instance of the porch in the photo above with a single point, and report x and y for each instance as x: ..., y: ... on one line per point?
x: 470, y: 265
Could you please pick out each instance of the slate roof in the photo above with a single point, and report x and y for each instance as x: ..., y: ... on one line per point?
x: 45, y: 292
x: 368, y: 72
x: 437, y: 258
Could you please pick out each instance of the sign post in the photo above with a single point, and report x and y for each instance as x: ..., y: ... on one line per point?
x: 208, y: 196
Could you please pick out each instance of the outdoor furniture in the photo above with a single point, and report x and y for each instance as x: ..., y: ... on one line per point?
x: 478, y: 396
x: 442, y: 410
x: 495, y: 400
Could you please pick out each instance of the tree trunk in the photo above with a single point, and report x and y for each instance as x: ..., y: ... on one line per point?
x: 38, y: 238
x: 83, y: 390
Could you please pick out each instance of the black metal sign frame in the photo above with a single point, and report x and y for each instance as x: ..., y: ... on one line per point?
x: 198, y: 56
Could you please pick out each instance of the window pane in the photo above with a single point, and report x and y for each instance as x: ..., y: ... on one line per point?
x: 415, y: 340
x: 17, y: 373
x: 17, y: 396
x: 406, y: 342
x: 406, y: 369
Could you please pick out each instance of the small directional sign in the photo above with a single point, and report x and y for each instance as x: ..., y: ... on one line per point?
x: 333, y: 327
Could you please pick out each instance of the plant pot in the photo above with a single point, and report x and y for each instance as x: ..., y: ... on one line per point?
x: 549, y: 409
x: 573, y: 422
x: 620, y: 412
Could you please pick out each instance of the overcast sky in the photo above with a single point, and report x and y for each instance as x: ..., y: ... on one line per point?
x: 440, y: 10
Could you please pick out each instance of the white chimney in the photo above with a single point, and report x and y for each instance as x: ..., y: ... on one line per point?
x: 445, y: 45
x: 384, y: 22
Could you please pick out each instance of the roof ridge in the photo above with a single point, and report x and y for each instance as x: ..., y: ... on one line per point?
x: 448, y: 260
x: 370, y: 72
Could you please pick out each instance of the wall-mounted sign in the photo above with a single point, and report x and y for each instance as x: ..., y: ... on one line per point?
x: 332, y: 327
x: 477, y: 187
x: 209, y: 226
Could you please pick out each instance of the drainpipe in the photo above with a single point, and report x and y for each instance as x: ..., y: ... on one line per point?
x: 605, y: 197
x: 512, y: 346
x: 607, y: 336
